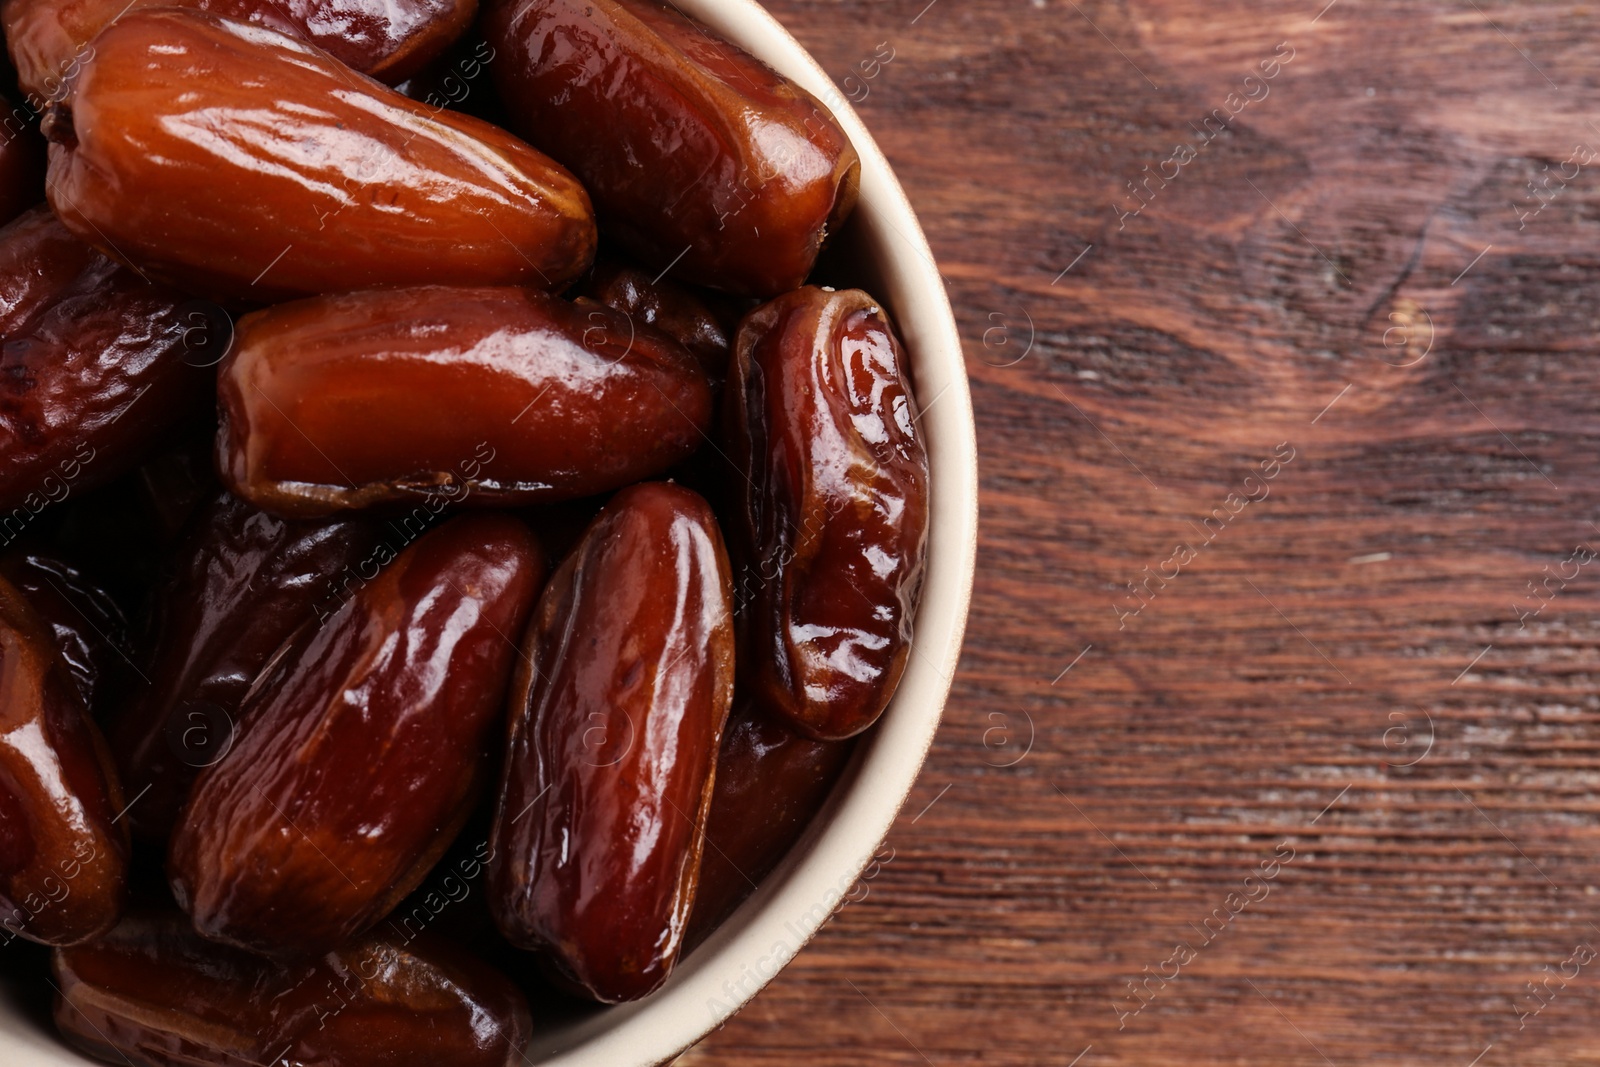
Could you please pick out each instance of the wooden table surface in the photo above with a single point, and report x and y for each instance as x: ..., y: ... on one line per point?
x: 1285, y: 315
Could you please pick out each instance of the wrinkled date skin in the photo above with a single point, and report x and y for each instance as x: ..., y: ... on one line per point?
x: 361, y: 749
x: 387, y: 39
x: 92, y: 371
x: 90, y: 630
x: 21, y: 162
x: 243, y: 582
x: 63, y: 861
x: 484, y: 396
x: 673, y: 309
x: 830, y: 530
x: 616, y: 713
x: 238, y: 162
x: 688, y: 145
x: 770, y: 782
x: 153, y: 993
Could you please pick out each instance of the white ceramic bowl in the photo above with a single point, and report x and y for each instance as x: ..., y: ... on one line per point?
x: 881, y: 250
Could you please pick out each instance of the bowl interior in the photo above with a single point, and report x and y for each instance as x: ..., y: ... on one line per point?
x: 882, y: 250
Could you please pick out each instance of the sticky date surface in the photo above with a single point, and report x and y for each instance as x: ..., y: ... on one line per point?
x: 485, y: 396
x: 830, y: 528
x: 49, y: 40
x: 238, y: 162
x: 361, y: 749
x: 154, y: 993
x: 92, y: 370
x: 616, y: 712
x: 690, y: 147
x: 243, y: 581
x: 63, y: 861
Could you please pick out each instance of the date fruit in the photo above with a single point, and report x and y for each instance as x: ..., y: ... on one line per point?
x: 92, y: 371
x: 63, y: 858
x: 483, y: 396
x: 243, y: 582
x: 238, y: 162
x: 673, y: 309
x: 89, y: 629
x: 387, y: 39
x: 690, y: 147
x: 770, y: 782
x: 616, y: 712
x: 361, y: 750
x: 153, y: 993
x: 830, y: 526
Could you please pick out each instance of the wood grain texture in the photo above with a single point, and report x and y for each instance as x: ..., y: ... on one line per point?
x: 1348, y: 668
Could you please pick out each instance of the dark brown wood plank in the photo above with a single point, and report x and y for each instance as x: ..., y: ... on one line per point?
x: 1343, y: 272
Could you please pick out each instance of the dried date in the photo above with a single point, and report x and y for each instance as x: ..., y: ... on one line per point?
x: 92, y: 371
x: 243, y: 581
x: 770, y: 782
x: 153, y: 993
x: 616, y: 711
x: 361, y: 748
x: 700, y: 158
x: 238, y: 162
x: 674, y: 309
x: 63, y: 857
x: 479, y: 396
x: 388, y: 39
x: 829, y: 530
x: 90, y: 630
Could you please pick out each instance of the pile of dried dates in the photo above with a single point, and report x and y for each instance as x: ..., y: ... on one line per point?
x: 447, y: 549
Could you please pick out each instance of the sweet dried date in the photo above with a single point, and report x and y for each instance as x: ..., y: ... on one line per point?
x: 675, y: 310
x: 690, y: 147
x: 388, y: 39
x: 830, y: 526
x: 616, y: 711
x: 361, y: 748
x: 243, y: 581
x: 241, y: 163
x: 152, y: 993
x: 770, y: 782
x: 90, y: 630
x: 92, y: 371
x: 63, y: 858
x: 481, y: 396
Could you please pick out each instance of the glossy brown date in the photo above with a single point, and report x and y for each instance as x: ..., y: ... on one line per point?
x: 92, y: 371
x: 674, y: 309
x: 243, y: 581
x: 479, y: 396
x: 90, y: 631
x: 616, y: 711
x: 49, y: 40
x: 238, y: 162
x: 63, y: 858
x: 21, y: 162
x: 690, y: 146
x: 830, y: 525
x: 770, y: 782
x: 153, y: 993
x: 361, y: 749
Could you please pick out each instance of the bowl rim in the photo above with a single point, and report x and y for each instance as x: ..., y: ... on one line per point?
x: 725, y: 972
